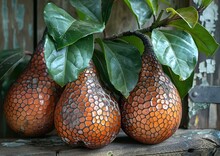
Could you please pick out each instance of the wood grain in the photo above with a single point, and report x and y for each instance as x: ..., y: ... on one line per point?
x: 16, y: 31
x: 16, y: 24
x: 207, y: 117
x: 183, y: 142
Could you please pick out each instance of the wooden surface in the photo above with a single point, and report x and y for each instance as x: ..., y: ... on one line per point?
x: 207, y: 115
x: 16, y: 24
x: 16, y: 31
x: 183, y: 142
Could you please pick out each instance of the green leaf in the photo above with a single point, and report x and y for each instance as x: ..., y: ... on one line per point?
x: 203, y: 3
x: 135, y: 41
x: 9, y: 60
x: 189, y: 14
x: 78, y: 30
x: 91, y: 10
x: 66, y: 64
x: 166, y: 2
x: 140, y: 9
x: 106, y: 9
x: 123, y: 65
x: 183, y: 87
x: 66, y: 30
x: 11, y: 76
x: 57, y: 20
x: 203, y: 39
x: 100, y: 63
x: 153, y: 5
x: 177, y: 50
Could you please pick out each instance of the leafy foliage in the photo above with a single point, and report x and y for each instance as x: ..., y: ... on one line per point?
x: 203, y: 3
x: 177, y: 50
x: 182, y: 86
x: 66, y: 30
x: 135, y: 41
x: 203, y: 39
x: 12, y: 64
x: 189, y: 15
x: 106, y: 9
x: 70, y: 43
x: 153, y: 5
x: 100, y: 63
x: 9, y: 60
x: 65, y: 65
x: 123, y: 63
x: 141, y: 10
x: 88, y: 10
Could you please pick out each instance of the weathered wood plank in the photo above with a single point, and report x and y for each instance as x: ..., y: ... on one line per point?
x: 185, y: 142
x: 16, y: 24
x: 203, y: 115
x: 216, y: 77
x: 16, y: 31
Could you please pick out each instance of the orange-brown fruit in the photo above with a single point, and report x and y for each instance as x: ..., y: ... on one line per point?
x: 30, y: 103
x: 152, y: 112
x: 86, y: 114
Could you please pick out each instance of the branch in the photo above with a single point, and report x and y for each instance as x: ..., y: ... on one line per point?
x: 155, y: 25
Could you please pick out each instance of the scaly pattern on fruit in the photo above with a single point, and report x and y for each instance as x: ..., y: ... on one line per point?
x: 152, y: 112
x: 30, y: 103
x: 86, y: 113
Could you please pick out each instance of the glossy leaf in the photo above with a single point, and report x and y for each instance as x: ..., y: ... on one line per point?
x: 12, y: 76
x: 101, y: 66
x: 100, y: 63
x: 183, y: 87
x: 189, y: 14
x: 135, y: 41
x: 66, y: 30
x: 9, y: 60
x: 90, y: 9
x: 61, y: 21
x: 78, y: 30
x: 66, y: 64
x: 140, y: 9
x: 203, y: 39
x: 177, y: 50
x: 153, y: 5
x: 123, y: 65
x: 106, y: 9
x: 203, y: 3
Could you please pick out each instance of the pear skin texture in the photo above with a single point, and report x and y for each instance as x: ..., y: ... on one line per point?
x: 30, y: 102
x: 87, y: 115
x: 153, y: 110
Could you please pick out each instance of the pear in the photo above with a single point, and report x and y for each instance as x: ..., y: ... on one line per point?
x: 153, y: 110
x: 87, y: 114
x: 30, y: 102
